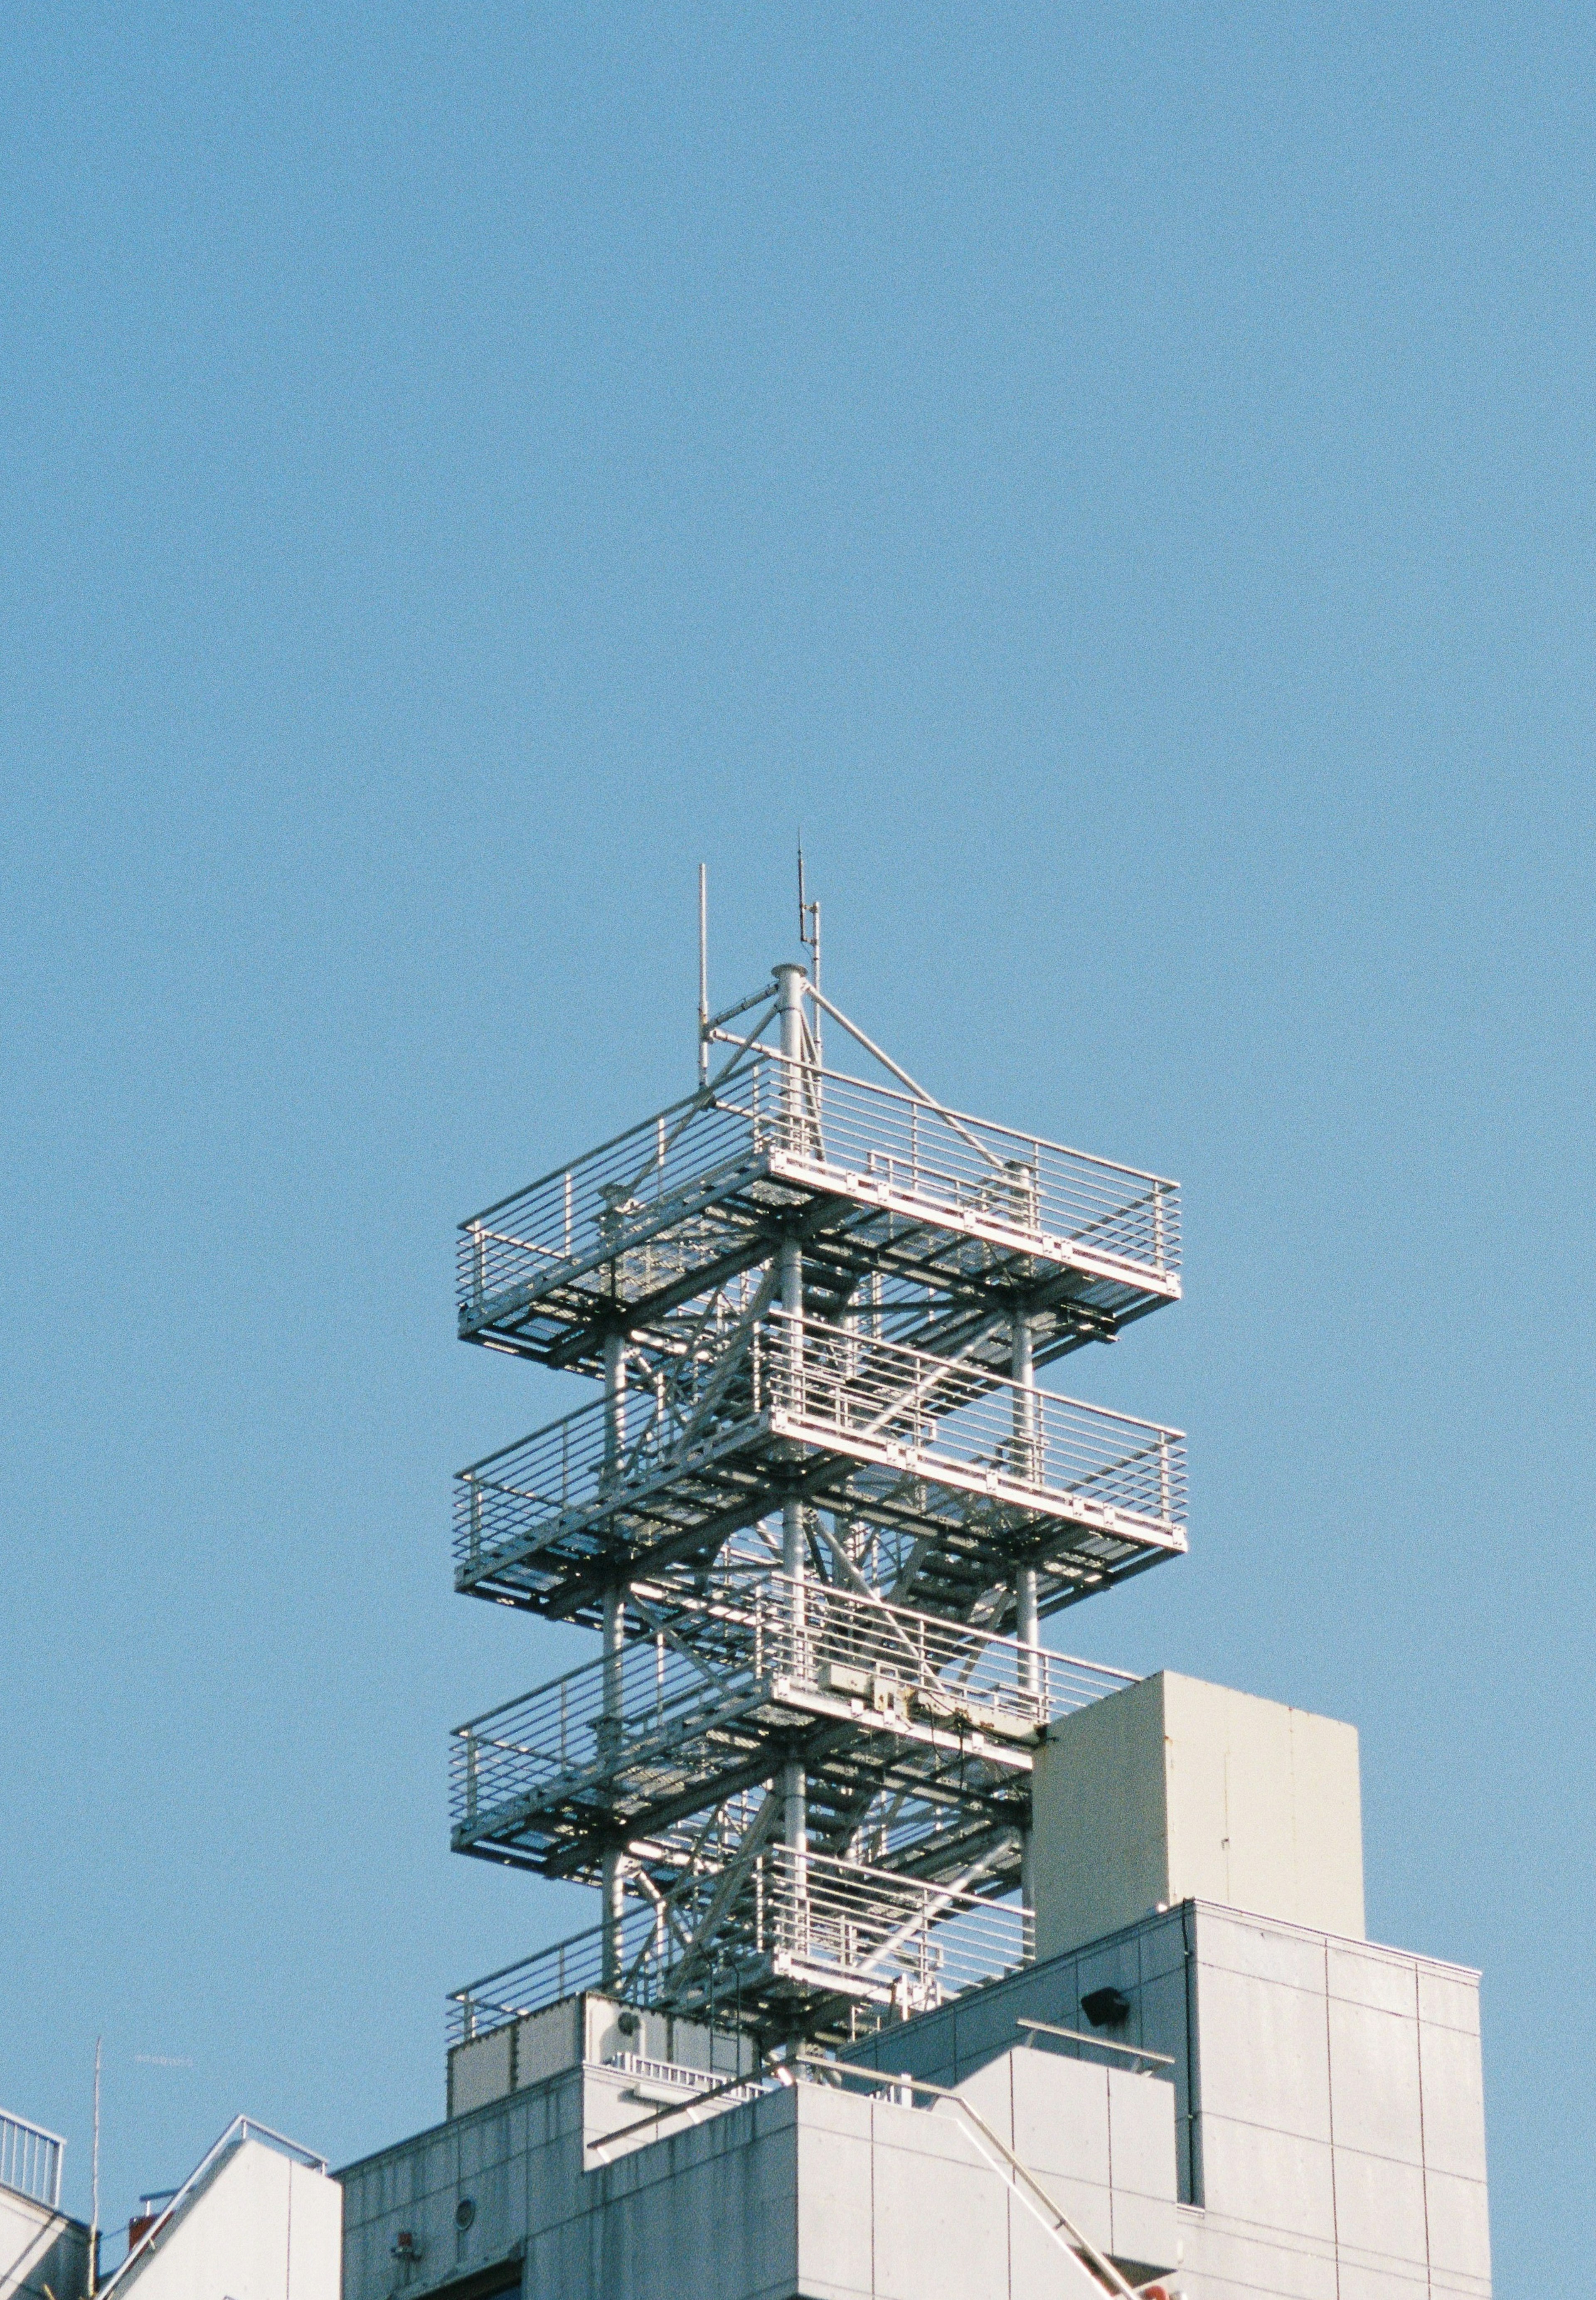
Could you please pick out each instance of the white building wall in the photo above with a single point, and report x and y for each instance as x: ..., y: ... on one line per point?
x: 42, y: 2253
x: 1341, y: 2127
x: 258, y: 2227
x: 808, y: 2191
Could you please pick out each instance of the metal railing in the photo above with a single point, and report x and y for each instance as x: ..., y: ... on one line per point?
x: 848, y: 1133
x: 895, y: 1941
x: 565, y: 1969
x: 932, y: 1414
x: 554, y: 1481
x: 30, y: 2160
x: 688, y: 2081
x: 832, y: 1644
x: 827, y: 1385
x: 897, y: 1945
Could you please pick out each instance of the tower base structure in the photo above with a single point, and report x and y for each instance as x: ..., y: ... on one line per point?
x: 1203, y: 2098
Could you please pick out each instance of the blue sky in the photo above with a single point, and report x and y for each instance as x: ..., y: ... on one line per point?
x: 1122, y: 480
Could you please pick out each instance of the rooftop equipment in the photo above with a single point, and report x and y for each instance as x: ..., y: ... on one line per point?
x: 816, y: 1517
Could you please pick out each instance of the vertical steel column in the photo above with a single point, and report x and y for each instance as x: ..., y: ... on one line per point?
x: 615, y: 1648
x: 795, y: 1817
x: 1021, y: 1366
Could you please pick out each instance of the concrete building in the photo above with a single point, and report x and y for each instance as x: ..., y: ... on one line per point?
x: 43, y: 2252
x: 933, y: 1964
x: 257, y: 2219
x: 1244, y: 2101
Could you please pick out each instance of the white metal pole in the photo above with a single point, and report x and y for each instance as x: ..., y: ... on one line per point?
x: 93, y: 2208
x: 702, y: 975
x: 1022, y: 1366
x: 794, y: 1818
x: 615, y: 1648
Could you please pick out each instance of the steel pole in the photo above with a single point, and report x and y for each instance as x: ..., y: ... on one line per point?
x: 795, y: 1817
x: 1023, y: 1368
x: 615, y: 1648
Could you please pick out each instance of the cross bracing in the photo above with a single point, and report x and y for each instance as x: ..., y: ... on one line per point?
x: 761, y: 1665
x: 980, y: 1475
x: 821, y: 1489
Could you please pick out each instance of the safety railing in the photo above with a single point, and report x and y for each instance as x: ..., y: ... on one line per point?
x: 685, y: 2080
x: 565, y: 1969
x: 896, y: 1944
x: 828, y: 1384
x: 30, y: 2160
x: 556, y: 1479
x: 588, y: 1723
x: 663, y: 1693
x: 932, y: 1414
x: 901, y: 1942
x: 847, y: 1133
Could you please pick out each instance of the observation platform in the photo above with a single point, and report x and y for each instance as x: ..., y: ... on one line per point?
x: 836, y: 1947
x: 972, y: 1477
x: 882, y: 1190
x: 879, y: 1698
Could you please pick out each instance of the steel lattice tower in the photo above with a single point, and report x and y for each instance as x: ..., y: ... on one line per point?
x: 816, y: 1517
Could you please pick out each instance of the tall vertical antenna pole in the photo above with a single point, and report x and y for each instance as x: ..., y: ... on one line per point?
x: 809, y: 933
x: 789, y: 980
x: 93, y: 2208
x: 703, y: 974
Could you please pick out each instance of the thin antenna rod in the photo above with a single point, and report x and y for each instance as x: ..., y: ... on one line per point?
x: 93, y: 2208
x: 703, y: 974
x: 809, y: 932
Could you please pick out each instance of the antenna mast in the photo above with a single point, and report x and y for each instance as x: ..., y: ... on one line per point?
x: 703, y: 974
x: 809, y: 939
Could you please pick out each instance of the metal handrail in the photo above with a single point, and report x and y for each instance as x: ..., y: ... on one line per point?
x: 1104, y: 2044
x: 565, y: 1967
x: 881, y: 1401
x: 671, y: 1167
x: 30, y: 2159
x: 837, y: 1077
x: 899, y: 1940
x: 594, y: 1721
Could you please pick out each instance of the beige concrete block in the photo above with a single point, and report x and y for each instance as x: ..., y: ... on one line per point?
x: 1102, y: 1832
x: 1174, y: 1790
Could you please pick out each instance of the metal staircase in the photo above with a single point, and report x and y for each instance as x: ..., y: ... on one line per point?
x: 816, y: 1516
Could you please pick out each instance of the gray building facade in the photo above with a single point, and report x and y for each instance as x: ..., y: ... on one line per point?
x: 1312, y: 2130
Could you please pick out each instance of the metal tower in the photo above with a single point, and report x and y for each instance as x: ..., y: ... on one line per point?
x: 816, y: 1516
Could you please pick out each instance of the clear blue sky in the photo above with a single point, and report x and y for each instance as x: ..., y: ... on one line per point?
x: 1122, y: 480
